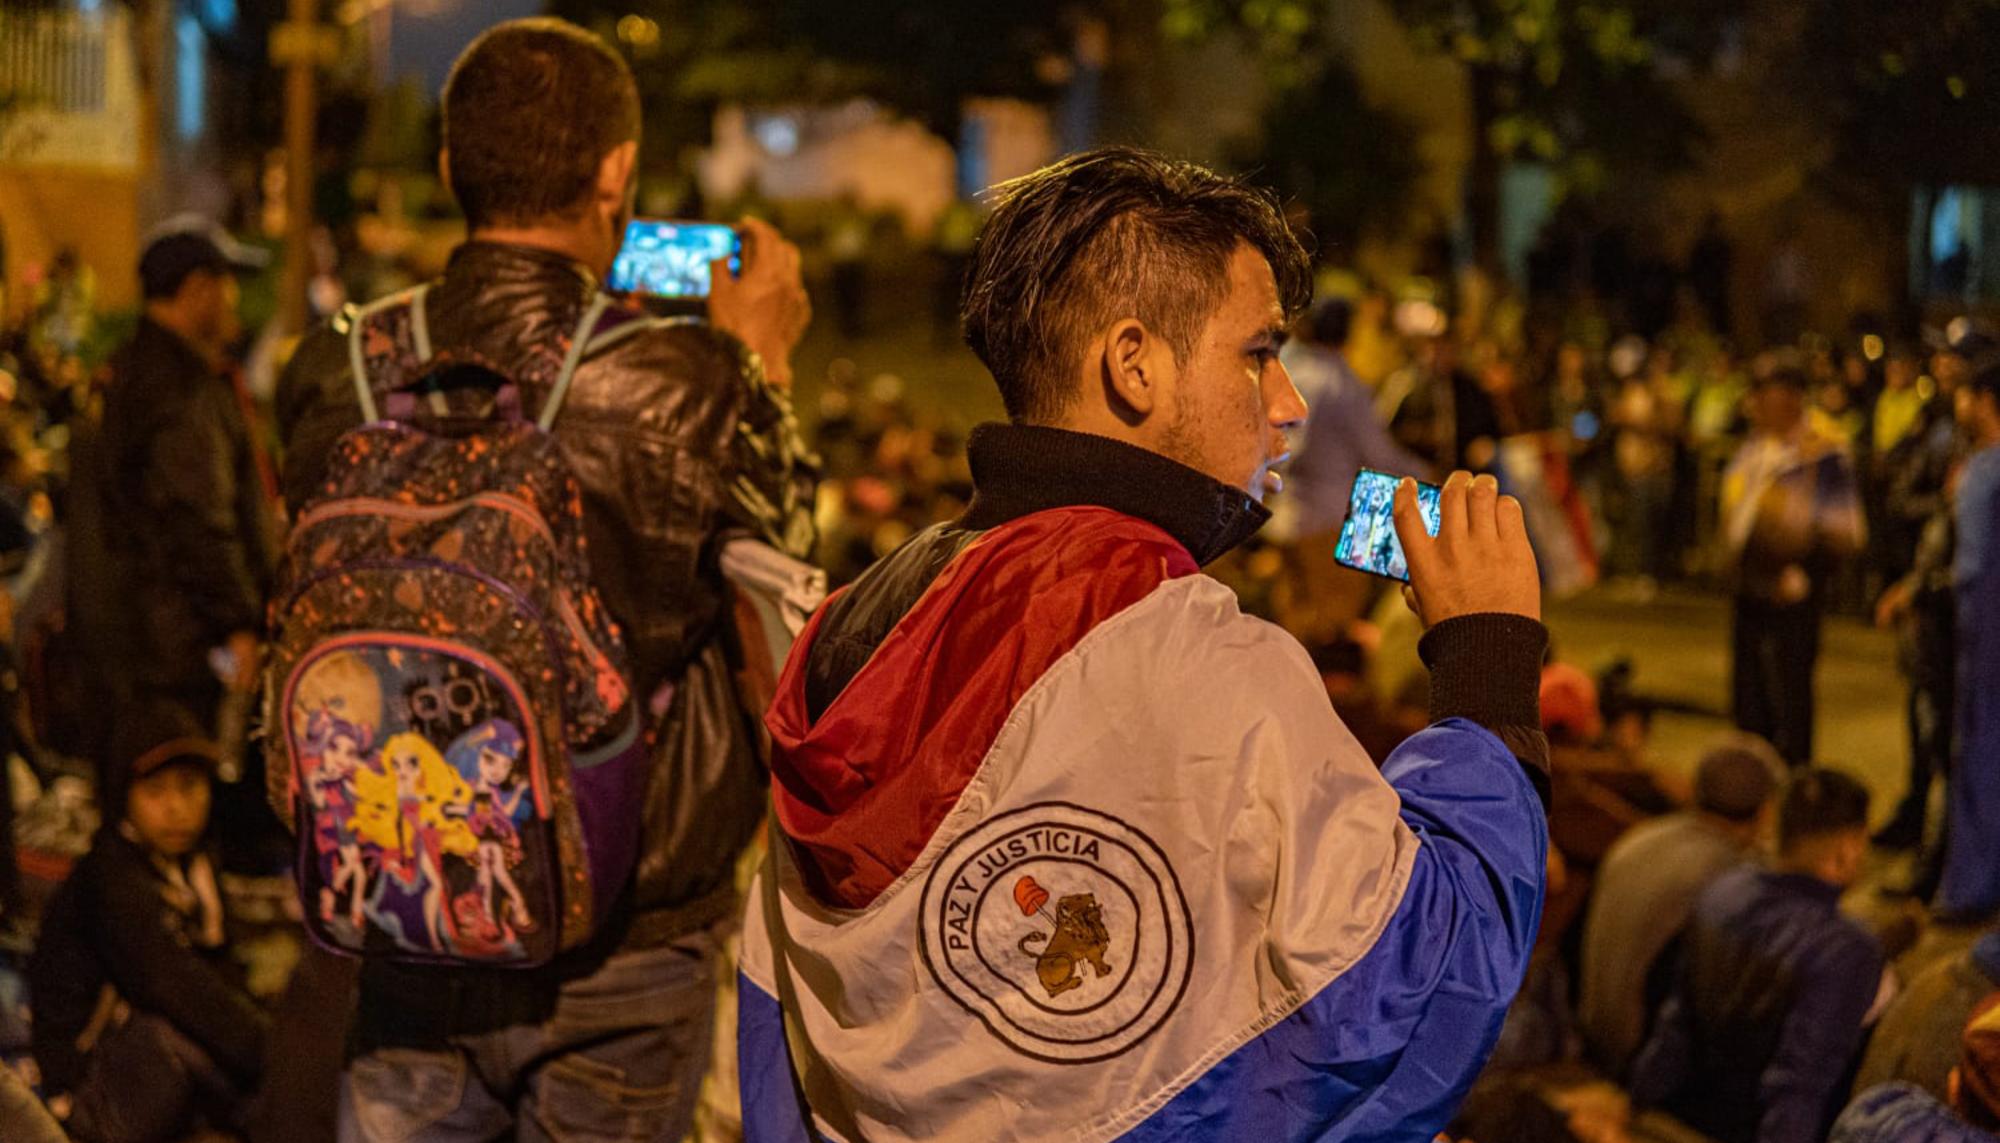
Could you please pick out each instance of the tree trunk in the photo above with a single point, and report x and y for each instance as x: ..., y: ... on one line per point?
x: 1482, y: 175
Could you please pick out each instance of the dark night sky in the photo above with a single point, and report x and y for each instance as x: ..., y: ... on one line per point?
x: 428, y: 34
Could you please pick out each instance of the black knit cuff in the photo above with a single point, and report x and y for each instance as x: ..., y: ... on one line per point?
x: 1488, y: 668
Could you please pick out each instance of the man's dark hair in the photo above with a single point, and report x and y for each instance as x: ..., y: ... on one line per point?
x: 530, y: 111
x: 1735, y: 779
x: 1332, y: 319
x: 1987, y: 379
x: 1103, y: 235
x: 1820, y: 803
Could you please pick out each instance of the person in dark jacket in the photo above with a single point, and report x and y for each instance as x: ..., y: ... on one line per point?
x: 140, y: 1025
x: 185, y: 507
x: 681, y: 438
x: 1766, y: 1015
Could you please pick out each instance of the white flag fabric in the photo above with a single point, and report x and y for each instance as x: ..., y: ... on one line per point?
x: 1176, y: 900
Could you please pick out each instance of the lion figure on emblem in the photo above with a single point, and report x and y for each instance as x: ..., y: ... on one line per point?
x: 1080, y: 938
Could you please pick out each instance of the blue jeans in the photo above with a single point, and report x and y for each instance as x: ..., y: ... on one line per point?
x: 617, y: 1057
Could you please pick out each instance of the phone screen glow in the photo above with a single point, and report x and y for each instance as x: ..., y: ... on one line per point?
x: 1368, y: 539
x: 670, y: 259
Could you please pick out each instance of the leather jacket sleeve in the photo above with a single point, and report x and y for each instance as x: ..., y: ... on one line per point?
x: 773, y: 475
x: 190, y: 486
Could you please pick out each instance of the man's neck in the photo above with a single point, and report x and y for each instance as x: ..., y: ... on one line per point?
x: 568, y: 241
x: 1805, y: 866
x: 1741, y: 833
x: 174, y: 321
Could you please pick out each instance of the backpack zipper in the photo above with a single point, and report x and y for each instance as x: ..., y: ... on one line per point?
x: 424, y: 513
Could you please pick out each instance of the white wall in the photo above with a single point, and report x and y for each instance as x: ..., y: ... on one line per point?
x: 105, y: 139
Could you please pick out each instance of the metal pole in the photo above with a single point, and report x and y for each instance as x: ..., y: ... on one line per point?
x: 301, y: 109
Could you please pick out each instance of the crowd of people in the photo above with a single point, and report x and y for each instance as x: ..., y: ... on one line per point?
x: 211, y: 598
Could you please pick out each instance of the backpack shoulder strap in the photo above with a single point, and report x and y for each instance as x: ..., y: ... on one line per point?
x: 357, y: 321
x: 578, y: 342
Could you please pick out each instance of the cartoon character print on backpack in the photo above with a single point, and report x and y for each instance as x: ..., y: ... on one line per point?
x: 436, y: 843
x: 490, y: 758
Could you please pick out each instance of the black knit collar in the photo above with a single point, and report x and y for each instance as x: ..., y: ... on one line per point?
x: 1019, y: 469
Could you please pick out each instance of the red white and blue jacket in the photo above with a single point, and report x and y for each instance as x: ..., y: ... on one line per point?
x: 1074, y: 849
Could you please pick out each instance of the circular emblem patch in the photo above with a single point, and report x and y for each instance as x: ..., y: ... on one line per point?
x: 1063, y: 929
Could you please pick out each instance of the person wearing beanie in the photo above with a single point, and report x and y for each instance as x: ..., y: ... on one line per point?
x: 1772, y: 986
x: 140, y: 1027
x: 1647, y: 885
x: 1903, y: 1112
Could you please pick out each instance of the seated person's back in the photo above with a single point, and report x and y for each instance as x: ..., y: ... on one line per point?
x: 1917, y: 1039
x: 138, y: 1026
x: 1647, y: 885
x: 1766, y: 1013
x: 1968, y: 1110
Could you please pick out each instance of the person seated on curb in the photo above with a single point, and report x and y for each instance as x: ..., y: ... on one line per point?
x: 1902, y: 1112
x: 1775, y: 985
x: 1917, y: 1040
x: 140, y: 1027
x: 1647, y: 884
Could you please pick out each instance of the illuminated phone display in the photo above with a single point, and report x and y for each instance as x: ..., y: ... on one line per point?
x: 1368, y: 539
x: 666, y: 259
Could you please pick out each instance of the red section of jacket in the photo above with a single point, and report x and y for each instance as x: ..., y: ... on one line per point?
x: 860, y: 791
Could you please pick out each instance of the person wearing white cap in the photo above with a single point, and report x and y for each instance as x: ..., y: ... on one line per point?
x: 182, y: 489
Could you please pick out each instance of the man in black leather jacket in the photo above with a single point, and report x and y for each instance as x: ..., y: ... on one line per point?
x: 681, y: 438
x: 185, y: 522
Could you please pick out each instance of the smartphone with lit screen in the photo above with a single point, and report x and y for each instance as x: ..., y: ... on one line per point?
x: 666, y: 258
x: 1368, y: 539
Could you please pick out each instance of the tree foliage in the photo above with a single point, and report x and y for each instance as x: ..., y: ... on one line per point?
x: 1352, y: 166
x: 1575, y: 84
x: 923, y: 58
x: 1912, y: 89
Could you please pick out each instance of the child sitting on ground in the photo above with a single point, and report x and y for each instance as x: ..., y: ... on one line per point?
x: 140, y: 1027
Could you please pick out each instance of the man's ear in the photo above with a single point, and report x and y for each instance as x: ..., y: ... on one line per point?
x: 1137, y: 367
x: 444, y: 171
x: 614, y: 177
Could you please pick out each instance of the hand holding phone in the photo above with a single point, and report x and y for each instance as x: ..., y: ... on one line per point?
x: 1478, y: 561
x: 765, y: 306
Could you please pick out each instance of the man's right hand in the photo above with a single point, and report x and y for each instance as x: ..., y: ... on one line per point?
x: 1479, y: 562
x: 765, y: 307
x: 1894, y: 604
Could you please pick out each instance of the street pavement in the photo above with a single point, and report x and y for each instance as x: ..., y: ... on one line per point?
x: 1679, y: 647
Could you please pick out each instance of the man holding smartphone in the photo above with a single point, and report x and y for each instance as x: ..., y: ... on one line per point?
x: 1078, y: 850
x: 681, y: 437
